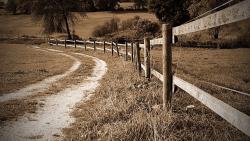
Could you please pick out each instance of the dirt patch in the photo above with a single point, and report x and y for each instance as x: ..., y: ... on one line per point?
x: 127, y: 107
x: 22, y: 65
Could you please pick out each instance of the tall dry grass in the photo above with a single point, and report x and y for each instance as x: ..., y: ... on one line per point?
x: 127, y: 107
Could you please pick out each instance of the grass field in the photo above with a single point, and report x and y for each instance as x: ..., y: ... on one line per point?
x: 19, y: 25
x: 22, y: 65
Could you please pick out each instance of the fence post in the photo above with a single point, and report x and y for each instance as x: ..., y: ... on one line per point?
x: 126, y: 51
x: 94, y: 46
x: 56, y: 42
x: 65, y: 43
x: 75, y: 43
x: 135, y: 55
x: 167, y: 65
x: 138, y: 57
x: 85, y: 45
x: 132, y: 52
x: 112, y: 48
x: 117, y: 49
x: 147, y: 57
x: 104, y: 47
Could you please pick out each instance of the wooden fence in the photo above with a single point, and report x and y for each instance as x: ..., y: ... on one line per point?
x: 237, y: 12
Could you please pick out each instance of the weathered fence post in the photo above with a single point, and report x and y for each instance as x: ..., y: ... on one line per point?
x: 85, y: 45
x: 167, y: 65
x: 126, y: 51
x: 65, y: 43
x: 56, y: 42
x: 75, y: 43
x: 135, y: 56
x: 112, y: 48
x: 147, y: 57
x: 138, y: 58
x: 94, y: 46
x: 117, y: 49
x: 104, y: 47
x: 132, y: 52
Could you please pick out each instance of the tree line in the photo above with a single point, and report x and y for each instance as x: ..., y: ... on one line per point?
x: 57, y: 15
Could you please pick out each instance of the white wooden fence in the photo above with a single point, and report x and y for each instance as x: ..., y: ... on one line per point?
x: 237, y: 12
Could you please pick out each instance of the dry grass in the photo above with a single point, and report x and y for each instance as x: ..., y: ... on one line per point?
x: 127, y: 107
x: 22, y: 65
x: 225, y: 67
x: 16, y: 108
x: 18, y: 25
x: 127, y: 5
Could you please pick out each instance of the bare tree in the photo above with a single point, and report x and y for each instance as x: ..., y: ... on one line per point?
x: 56, y: 15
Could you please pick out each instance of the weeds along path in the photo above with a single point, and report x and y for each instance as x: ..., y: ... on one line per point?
x: 47, y: 122
x: 44, y: 84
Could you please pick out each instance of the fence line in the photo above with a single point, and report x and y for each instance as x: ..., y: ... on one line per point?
x: 237, y: 12
x: 230, y: 114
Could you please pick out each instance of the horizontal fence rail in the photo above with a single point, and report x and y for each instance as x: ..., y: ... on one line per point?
x: 237, y: 12
x: 230, y: 114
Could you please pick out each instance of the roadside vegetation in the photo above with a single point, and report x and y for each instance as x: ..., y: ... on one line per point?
x: 130, y: 29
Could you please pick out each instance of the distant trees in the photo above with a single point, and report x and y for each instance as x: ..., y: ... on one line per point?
x: 25, y: 6
x: 105, y: 4
x: 19, y: 6
x: 171, y: 11
x: 11, y: 6
x: 55, y: 14
x: 99, y: 5
x: 140, y: 4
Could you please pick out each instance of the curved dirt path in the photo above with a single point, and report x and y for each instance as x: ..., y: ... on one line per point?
x: 47, y: 123
x: 44, y: 84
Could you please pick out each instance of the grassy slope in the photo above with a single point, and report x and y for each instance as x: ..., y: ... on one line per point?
x: 19, y: 25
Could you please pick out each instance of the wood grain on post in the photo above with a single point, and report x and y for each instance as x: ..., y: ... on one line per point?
x: 147, y: 57
x: 117, y: 49
x: 94, y: 46
x: 132, y: 52
x: 167, y: 65
x: 112, y: 48
x: 138, y: 57
x: 126, y: 51
x: 85, y: 45
x: 104, y: 47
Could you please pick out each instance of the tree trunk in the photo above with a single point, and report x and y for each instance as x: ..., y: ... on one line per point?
x: 67, y: 26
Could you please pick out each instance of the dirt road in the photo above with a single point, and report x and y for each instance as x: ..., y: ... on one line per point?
x: 47, y: 122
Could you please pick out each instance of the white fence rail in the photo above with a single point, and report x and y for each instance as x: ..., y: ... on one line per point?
x: 237, y: 12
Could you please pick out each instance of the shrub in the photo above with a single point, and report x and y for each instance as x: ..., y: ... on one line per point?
x: 107, y: 28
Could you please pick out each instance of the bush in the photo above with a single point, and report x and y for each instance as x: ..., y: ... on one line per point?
x: 107, y: 28
x: 142, y: 27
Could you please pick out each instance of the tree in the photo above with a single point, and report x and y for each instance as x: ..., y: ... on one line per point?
x: 140, y: 4
x: 25, y: 6
x: 56, y: 15
x: 11, y: 6
x: 171, y: 11
x: 106, y: 4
